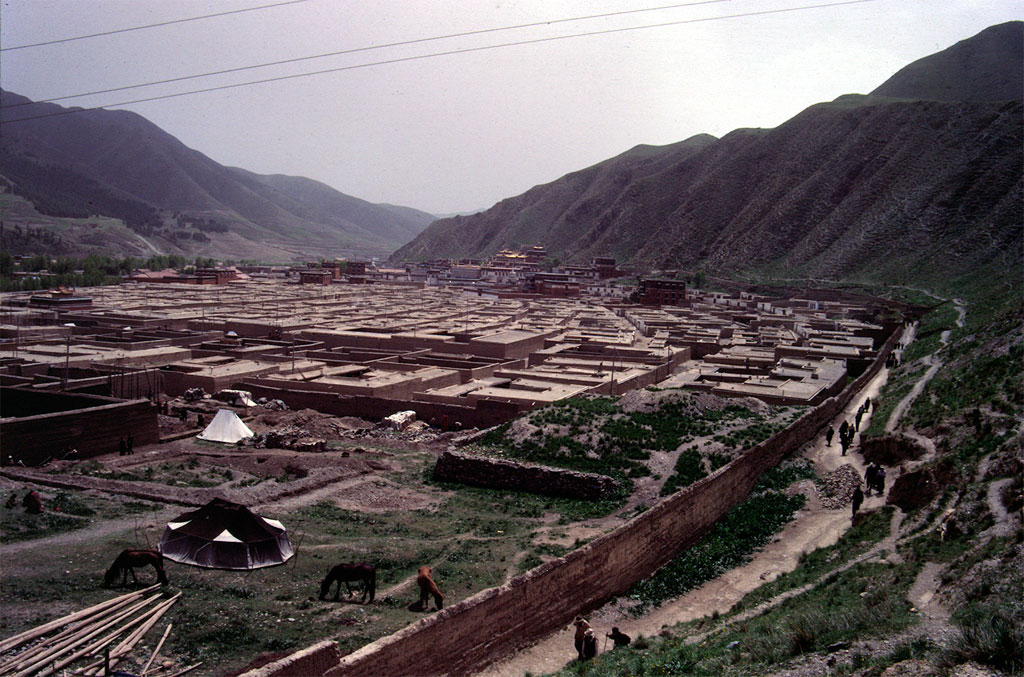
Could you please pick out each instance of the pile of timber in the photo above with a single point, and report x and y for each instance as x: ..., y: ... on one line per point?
x: 96, y: 639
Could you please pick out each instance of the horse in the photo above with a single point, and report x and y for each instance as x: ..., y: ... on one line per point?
x: 427, y: 588
x: 33, y: 503
x: 349, y: 571
x: 126, y: 562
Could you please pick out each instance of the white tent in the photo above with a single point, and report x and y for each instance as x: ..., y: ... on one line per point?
x: 225, y: 427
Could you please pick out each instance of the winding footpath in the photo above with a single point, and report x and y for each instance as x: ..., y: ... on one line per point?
x: 934, y: 364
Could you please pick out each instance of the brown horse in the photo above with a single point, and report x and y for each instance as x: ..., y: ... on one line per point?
x: 126, y: 562
x: 33, y: 503
x: 346, y: 572
x: 428, y: 588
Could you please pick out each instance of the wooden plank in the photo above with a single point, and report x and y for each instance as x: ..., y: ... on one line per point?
x: 41, y: 630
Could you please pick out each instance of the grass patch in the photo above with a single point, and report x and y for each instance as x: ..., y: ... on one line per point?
x: 866, y: 600
x: 63, y: 511
x: 746, y: 527
x: 595, y: 435
x: 813, y: 565
x: 986, y: 380
x: 900, y: 383
x: 929, y: 332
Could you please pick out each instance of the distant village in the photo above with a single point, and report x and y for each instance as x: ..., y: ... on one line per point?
x: 463, y: 344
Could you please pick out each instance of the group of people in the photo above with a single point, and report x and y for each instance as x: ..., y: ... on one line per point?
x: 585, y: 640
x: 874, y: 474
x: 127, y: 445
x: 847, y: 430
x: 874, y: 478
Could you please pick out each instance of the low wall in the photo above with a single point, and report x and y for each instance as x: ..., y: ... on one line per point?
x: 499, y: 473
x: 477, y: 631
x: 314, y: 660
x: 484, y: 415
x: 92, y: 430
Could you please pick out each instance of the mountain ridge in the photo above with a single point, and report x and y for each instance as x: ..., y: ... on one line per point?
x: 862, y: 185
x: 121, y: 154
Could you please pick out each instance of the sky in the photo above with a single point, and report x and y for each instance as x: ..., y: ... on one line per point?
x: 449, y: 133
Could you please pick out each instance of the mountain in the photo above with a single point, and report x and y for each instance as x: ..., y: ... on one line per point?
x: 877, y: 186
x: 977, y: 69
x: 553, y: 213
x: 118, y: 164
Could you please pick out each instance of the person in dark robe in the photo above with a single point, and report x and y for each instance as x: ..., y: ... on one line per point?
x: 589, y: 644
x: 620, y: 638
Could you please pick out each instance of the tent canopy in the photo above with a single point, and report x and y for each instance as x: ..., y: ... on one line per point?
x: 225, y: 427
x: 225, y: 535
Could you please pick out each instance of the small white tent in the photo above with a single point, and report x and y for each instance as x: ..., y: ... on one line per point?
x: 225, y: 427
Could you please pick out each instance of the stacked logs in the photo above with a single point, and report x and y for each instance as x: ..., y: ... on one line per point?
x: 88, y: 635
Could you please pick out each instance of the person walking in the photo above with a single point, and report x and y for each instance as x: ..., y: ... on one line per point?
x: 589, y: 644
x: 858, y: 499
x: 828, y: 436
x: 582, y: 626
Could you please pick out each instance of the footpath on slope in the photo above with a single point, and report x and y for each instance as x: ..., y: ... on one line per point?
x: 814, y: 527
x: 934, y: 364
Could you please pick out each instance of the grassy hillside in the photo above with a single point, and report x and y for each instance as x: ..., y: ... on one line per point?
x: 852, y: 608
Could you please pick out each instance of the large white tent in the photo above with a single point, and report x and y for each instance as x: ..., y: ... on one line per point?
x: 225, y: 535
x: 225, y: 427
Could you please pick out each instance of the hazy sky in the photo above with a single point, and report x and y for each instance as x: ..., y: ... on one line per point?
x: 460, y: 132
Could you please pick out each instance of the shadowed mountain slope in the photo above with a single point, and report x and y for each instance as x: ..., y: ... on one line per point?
x: 865, y: 185
x: 980, y: 68
x: 119, y: 164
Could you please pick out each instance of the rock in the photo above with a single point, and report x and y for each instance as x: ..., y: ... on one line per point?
x: 837, y: 487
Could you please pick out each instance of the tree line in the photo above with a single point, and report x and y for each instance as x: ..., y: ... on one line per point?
x: 88, y: 271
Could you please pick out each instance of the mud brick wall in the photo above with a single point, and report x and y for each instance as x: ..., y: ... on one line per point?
x: 92, y: 431
x: 484, y: 415
x: 471, y: 634
x: 499, y: 473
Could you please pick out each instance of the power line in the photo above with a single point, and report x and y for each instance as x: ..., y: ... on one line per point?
x: 153, y: 25
x: 354, y: 50
x: 446, y: 53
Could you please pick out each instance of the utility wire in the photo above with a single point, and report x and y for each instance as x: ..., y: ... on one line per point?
x: 153, y: 25
x: 447, y: 53
x: 354, y: 50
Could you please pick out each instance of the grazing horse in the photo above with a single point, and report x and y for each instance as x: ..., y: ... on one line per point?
x: 33, y: 503
x: 346, y: 572
x: 427, y: 588
x: 128, y: 560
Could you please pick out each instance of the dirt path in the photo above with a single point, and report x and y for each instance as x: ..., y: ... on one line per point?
x: 814, y: 527
x: 152, y: 523
x: 934, y: 364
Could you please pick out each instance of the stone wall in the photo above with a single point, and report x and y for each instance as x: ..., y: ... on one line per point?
x: 499, y: 473
x: 477, y: 631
